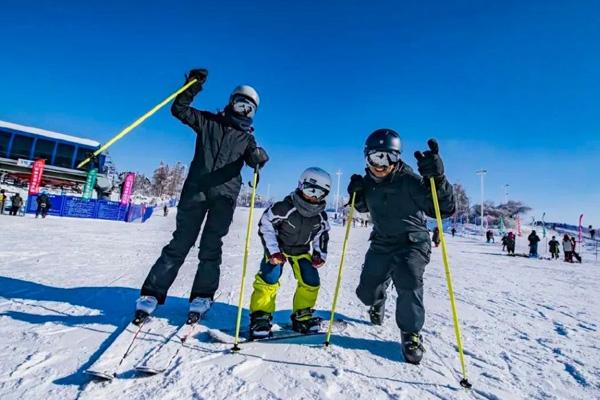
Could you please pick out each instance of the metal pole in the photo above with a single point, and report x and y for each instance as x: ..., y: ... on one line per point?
x: 337, y: 196
x: 506, y: 193
x: 481, y: 174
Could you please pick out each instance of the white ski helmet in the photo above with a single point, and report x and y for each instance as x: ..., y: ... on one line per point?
x: 246, y: 91
x: 315, y: 182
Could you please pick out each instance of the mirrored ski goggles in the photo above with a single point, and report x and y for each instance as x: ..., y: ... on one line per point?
x: 382, y: 158
x: 312, y: 190
x: 244, y: 106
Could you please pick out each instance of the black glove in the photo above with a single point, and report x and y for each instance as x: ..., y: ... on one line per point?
x: 200, y: 74
x: 429, y: 163
x: 258, y: 157
x: 356, y: 184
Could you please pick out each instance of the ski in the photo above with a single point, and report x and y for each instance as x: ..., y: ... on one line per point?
x: 161, y: 357
x: 280, y: 332
x: 131, y: 340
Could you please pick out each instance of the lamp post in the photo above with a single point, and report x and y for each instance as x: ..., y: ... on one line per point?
x: 481, y: 174
x: 506, y: 193
x: 337, y: 196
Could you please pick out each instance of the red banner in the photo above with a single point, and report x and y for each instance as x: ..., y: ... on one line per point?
x: 36, y: 176
x: 127, y: 187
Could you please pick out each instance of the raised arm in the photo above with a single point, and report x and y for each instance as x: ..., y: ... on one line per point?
x: 430, y: 165
x: 356, y: 185
x: 181, y: 108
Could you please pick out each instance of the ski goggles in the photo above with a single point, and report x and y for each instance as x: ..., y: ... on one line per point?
x: 243, y: 106
x: 382, y: 158
x: 312, y: 190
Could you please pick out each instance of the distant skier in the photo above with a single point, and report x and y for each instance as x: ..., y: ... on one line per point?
x: 224, y: 142
x: 553, y: 246
x: 533, y: 239
x: 489, y: 235
x: 3, y: 198
x: 435, y: 237
x: 43, y: 205
x: 165, y: 210
x: 592, y: 232
x: 288, y: 229
x: 575, y: 253
x: 398, y: 201
x: 453, y: 231
x: 504, y: 241
x: 16, y: 201
x: 568, y: 248
x: 511, y: 243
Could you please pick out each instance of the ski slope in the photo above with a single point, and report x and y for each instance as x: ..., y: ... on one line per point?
x: 67, y: 286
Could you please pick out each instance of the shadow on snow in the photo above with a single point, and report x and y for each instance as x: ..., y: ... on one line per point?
x: 114, y: 306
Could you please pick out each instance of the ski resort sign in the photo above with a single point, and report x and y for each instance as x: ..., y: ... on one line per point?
x: 22, y: 162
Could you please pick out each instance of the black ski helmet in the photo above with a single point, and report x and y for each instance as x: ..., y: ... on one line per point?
x: 383, y: 140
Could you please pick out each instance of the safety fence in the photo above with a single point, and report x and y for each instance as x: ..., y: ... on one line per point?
x: 77, y: 207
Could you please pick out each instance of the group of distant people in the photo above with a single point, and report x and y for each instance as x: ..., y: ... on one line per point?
x: 509, y: 241
x: 16, y: 202
x: 362, y: 222
x: 569, y: 244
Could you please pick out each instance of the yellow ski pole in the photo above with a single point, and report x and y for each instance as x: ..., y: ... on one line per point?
x: 339, y: 277
x: 236, y: 346
x: 438, y: 216
x: 136, y: 123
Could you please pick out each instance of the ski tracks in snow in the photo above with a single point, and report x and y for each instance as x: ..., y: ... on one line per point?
x: 530, y: 327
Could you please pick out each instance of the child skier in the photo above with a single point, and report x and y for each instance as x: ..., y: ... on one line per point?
x: 554, y: 247
x: 287, y: 229
x: 224, y: 143
x: 398, y: 200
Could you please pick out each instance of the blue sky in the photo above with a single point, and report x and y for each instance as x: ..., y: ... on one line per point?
x: 509, y: 86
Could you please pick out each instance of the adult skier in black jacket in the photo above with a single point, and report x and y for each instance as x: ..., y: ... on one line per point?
x: 224, y: 143
x: 398, y: 200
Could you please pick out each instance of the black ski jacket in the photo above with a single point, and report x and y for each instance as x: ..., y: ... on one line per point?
x: 533, y: 238
x: 399, y: 204
x: 220, y: 151
x: 283, y: 229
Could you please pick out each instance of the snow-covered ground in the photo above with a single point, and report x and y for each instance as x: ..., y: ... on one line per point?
x: 530, y: 327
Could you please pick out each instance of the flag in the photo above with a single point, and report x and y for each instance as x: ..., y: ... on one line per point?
x: 37, y: 171
x: 127, y: 188
x: 544, y: 225
x: 90, y: 182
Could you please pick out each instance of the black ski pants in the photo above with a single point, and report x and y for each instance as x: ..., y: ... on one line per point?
x: 404, y: 265
x: 218, y: 213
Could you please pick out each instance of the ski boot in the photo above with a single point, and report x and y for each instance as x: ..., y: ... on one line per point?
x: 144, y: 306
x: 198, y: 307
x: 260, y: 325
x: 304, y: 322
x: 377, y: 313
x: 412, y: 347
